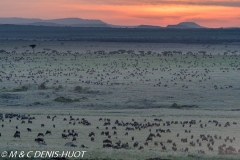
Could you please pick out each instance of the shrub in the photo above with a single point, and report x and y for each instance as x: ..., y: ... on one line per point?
x: 23, y: 88
x: 36, y: 103
x: 110, y: 92
x: 42, y: 86
x: 86, y: 89
x: 84, y: 98
x: 63, y: 99
x: 59, y: 87
x: 2, y: 51
x: 175, y: 105
x: 79, y: 89
x: 68, y: 100
x: 76, y: 100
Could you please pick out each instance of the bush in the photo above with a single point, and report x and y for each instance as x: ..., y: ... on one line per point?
x: 63, y: 99
x: 9, y: 96
x: 76, y: 100
x: 36, y: 103
x: 42, y: 86
x: 78, y: 89
x: 69, y: 100
x: 59, y: 87
x: 23, y: 88
x: 175, y: 105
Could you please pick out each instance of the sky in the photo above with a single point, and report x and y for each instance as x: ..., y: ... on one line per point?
x: 209, y: 13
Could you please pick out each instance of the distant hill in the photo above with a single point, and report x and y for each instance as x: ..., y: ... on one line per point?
x: 71, y: 22
x: 41, y: 24
x: 79, y: 22
x: 76, y: 22
x: 185, y: 25
x: 148, y: 26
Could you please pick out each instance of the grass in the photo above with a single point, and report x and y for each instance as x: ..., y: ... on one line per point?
x: 120, y: 86
x: 55, y: 142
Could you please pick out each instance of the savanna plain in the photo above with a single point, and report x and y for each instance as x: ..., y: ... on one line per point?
x: 119, y: 100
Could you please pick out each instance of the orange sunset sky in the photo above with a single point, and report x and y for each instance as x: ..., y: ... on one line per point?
x: 209, y: 13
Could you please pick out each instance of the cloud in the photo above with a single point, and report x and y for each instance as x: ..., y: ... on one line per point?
x: 155, y: 17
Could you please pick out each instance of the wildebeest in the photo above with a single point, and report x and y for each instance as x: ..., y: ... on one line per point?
x: 74, y: 139
x: 75, y: 134
x: 184, y: 140
x: 70, y: 144
x: 125, y: 145
x: 164, y: 148
x: 106, y: 133
x: 201, y: 152
x: 118, y: 143
x: 64, y: 135
x: 174, y: 148
x: 141, y: 147
x: 135, y: 144
x: 40, y: 134
x: 169, y: 141
x: 91, y: 134
x: 107, y: 145
x: 107, y: 141
x: 39, y: 140
x: 17, y: 134
x: 149, y: 138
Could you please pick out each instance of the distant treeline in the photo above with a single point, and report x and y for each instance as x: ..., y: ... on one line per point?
x: 161, y: 35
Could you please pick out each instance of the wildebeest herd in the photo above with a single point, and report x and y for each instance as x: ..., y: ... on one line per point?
x: 165, y: 77
x: 149, y: 133
x: 126, y: 79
